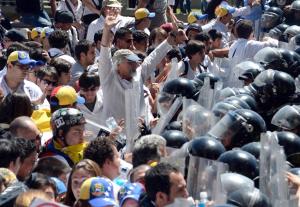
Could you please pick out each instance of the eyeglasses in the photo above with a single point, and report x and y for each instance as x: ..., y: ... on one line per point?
x: 48, y: 82
x: 88, y: 89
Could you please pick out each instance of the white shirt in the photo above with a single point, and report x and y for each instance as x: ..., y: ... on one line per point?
x: 98, y: 24
x: 29, y: 88
x: 243, y: 49
x: 95, y: 116
x: 77, y: 11
x: 191, y: 74
x: 114, y: 87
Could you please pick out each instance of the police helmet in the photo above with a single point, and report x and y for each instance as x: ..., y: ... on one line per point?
x: 174, y: 138
x: 206, y: 147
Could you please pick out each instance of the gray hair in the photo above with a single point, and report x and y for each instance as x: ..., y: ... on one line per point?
x: 147, y: 149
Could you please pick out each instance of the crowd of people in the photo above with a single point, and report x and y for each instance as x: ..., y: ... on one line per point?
x: 100, y: 109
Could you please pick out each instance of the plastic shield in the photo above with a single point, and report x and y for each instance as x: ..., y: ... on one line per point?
x: 179, y: 162
x: 287, y: 117
x: 233, y: 181
x: 206, y: 97
x: 273, y: 166
x: 174, y: 70
x: 204, y: 176
x: 233, y: 77
x: 94, y: 130
x: 165, y: 119
x: 196, y: 120
x: 132, y: 112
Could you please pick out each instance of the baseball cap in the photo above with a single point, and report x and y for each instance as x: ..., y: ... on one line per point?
x: 143, y: 13
x: 21, y: 57
x: 15, y: 35
x: 59, y: 185
x: 223, y: 9
x: 98, y: 191
x: 35, y: 32
x: 63, y: 16
x: 46, y: 31
x: 130, y: 190
x: 66, y: 95
x: 7, y: 176
x: 127, y: 54
x: 111, y: 3
x: 194, y: 16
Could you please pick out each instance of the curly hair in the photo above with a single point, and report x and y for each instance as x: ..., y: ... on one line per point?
x: 99, y: 150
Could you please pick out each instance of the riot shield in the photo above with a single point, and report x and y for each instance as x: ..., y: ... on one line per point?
x: 273, y: 166
x: 179, y: 162
x: 165, y: 119
x: 208, y: 96
x: 204, y: 176
x: 196, y: 120
x: 132, y: 112
x: 174, y: 70
x: 233, y: 181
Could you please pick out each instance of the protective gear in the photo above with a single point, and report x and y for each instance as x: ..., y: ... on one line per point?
x: 249, y: 100
x: 241, y: 162
x: 271, y: 17
x: 228, y: 92
x: 228, y: 104
x: 174, y: 138
x: 238, y: 128
x: 295, y: 5
x: 289, y: 141
x: 277, y: 31
x: 180, y: 86
x: 295, y: 171
x: 213, y: 78
x: 292, y: 31
x: 248, y: 70
x: 248, y: 198
x: 292, y: 60
x: 269, y: 58
x: 234, y: 181
x: 294, y: 42
x: 206, y: 147
x: 174, y: 125
x: 65, y: 118
x: 253, y: 148
x: 287, y: 118
x: 272, y: 85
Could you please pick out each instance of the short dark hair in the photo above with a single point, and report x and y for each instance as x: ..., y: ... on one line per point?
x: 99, y: 150
x: 121, y: 33
x: 51, y: 166
x: 15, y: 46
x: 13, y: 106
x: 58, y: 39
x: 140, y: 36
x: 89, y: 79
x: 174, y: 53
x: 214, y: 34
x: 61, y: 66
x: 83, y: 46
x: 39, y: 181
x: 33, y: 44
x: 155, y: 32
x: 244, y: 29
x: 9, y: 152
x: 37, y: 54
x: 157, y: 179
x: 28, y: 147
x: 47, y: 71
x: 98, y: 36
x: 193, y: 47
x: 202, y: 37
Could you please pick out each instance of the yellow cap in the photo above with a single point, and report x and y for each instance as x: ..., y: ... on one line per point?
x: 35, y: 32
x: 143, y: 13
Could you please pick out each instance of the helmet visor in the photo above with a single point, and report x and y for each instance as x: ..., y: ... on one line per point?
x: 288, y: 117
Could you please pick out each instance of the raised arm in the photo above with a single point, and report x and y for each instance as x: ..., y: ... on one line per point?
x: 105, y: 60
x: 89, y: 4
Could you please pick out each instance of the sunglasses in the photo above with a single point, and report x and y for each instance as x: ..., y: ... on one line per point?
x: 48, y: 82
